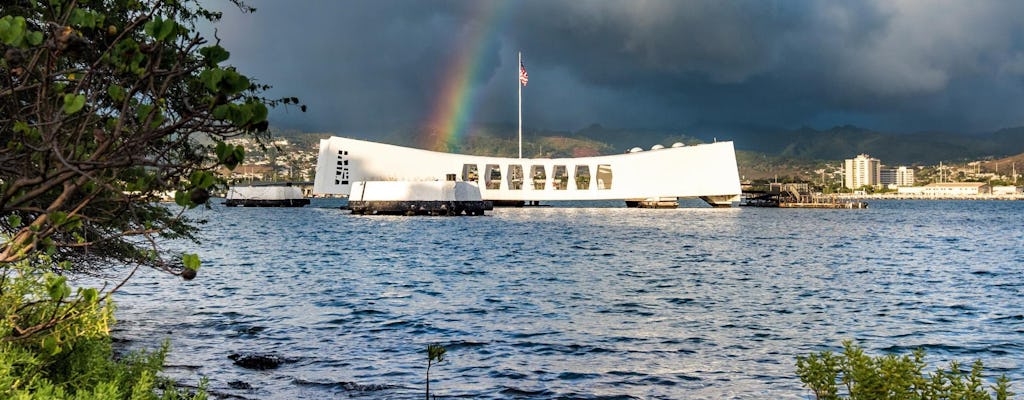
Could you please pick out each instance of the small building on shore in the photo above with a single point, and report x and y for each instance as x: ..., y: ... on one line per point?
x: 1007, y: 190
x: 948, y: 189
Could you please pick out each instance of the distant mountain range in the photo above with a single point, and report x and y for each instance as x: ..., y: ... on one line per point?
x: 837, y: 143
x: 843, y: 142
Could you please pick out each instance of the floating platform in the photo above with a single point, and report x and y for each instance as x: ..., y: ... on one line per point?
x: 448, y: 198
x: 265, y: 196
x: 653, y: 202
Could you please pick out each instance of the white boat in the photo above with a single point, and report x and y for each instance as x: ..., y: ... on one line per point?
x: 705, y: 171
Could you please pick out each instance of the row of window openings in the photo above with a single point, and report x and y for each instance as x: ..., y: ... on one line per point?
x: 341, y: 172
x: 514, y: 177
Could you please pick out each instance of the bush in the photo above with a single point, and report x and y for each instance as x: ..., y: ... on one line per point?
x: 59, y: 345
x: 855, y: 375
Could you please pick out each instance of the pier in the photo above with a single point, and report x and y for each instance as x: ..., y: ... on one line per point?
x: 796, y: 195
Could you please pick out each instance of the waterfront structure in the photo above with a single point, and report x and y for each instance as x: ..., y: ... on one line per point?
x: 948, y: 189
x: 705, y: 171
x: 795, y: 195
x: 1007, y: 190
x: 416, y: 198
x: 862, y: 171
x: 896, y: 177
x: 265, y: 196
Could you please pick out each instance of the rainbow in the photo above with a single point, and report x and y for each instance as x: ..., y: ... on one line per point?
x: 452, y: 114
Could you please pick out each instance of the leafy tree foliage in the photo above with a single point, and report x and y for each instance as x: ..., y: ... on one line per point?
x: 105, y: 106
x: 853, y: 375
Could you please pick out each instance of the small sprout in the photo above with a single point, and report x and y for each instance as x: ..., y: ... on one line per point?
x: 435, y: 355
x: 435, y: 352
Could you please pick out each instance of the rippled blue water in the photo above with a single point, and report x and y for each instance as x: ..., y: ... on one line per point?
x: 591, y: 301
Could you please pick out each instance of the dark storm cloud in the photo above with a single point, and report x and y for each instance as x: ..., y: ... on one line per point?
x: 373, y: 67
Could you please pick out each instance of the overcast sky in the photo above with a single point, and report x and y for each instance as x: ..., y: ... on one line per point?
x: 366, y: 68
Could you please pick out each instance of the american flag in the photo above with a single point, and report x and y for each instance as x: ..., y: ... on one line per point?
x: 523, y: 77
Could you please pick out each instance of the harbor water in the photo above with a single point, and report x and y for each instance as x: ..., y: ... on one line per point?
x: 581, y: 301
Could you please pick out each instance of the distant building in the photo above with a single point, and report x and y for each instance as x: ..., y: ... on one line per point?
x: 901, y: 176
x: 948, y: 189
x: 862, y: 171
x: 250, y: 172
x: 1007, y: 190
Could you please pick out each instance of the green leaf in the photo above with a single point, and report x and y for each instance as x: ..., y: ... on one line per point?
x: 153, y: 26
x: 14, y: 221
x: 89, y: 295
x: 143, y: 112
x: 21, y: 127
x: 221, y: 111
x: 34, y: 38
x: 158, y: 119
x: 76, y: 17
x: 12, y: 30
x: 202, y: 179
x: 259, y: 113
x: 214, y: 55
x: 56, y: 286
x: 235, y: 82
x: 240, y: 115
x: 222, y: 150
x: 181, y: 198
x: 211, y: 78
x: 115, y: 92
x: 191, y: 261
x: 73, y: 103
x: 50, y: 346
x: 58, y: 217
x: 166, y: 28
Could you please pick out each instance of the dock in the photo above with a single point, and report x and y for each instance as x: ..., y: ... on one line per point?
x: 796, y: 195
x: 836, y: 204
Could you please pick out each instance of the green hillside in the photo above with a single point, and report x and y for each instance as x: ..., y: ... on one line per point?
x: 801, y: 154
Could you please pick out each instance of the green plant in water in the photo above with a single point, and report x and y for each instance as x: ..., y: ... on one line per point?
x: 435, y: 355
x: 855, y: 375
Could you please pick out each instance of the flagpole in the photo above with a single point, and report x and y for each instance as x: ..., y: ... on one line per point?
x: 519, y: 84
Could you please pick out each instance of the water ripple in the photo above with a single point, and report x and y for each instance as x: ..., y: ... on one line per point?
x: 582, y: 302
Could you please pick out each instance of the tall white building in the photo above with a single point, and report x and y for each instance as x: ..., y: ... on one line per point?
x: 901, y: 176
x: 862, y: 171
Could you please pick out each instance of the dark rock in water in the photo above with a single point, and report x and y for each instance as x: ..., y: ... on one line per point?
x: 239, y: 385
x: 252, y: 330
x: 257, y: 361
x: 348, y: 386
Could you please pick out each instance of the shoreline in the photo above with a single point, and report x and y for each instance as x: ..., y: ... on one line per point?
x: 904, y: 196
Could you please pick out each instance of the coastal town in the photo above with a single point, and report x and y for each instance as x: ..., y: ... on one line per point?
x: 865, y: 176
x: 859, y: 177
